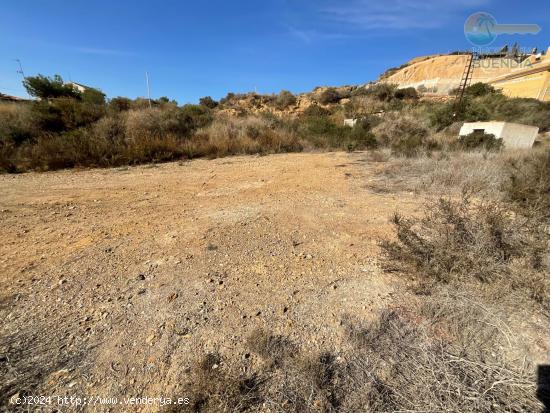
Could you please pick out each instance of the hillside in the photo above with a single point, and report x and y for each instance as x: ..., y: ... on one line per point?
x: 442, y: 73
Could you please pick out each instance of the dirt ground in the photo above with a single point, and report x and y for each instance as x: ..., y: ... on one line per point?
x: 113, y: 281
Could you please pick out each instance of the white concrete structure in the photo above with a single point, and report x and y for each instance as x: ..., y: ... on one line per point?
x: 513, y: 135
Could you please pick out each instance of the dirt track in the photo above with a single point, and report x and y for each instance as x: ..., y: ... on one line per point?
x: 113, y: 281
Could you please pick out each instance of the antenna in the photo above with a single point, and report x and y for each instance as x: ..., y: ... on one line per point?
x: 148, y: 89
x: 20, y: 71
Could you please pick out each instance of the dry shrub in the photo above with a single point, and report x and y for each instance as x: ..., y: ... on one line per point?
x: 404, y: 134
x: 444, y: 354
x: 528, y: 186
x: 16, y: 123
x: 102, y: 145
x: 442, y: 357
x: 168, y: 120
x: 284, y: 381
x: 251, y: 134
x: 16, y: 128
x: 215, y: 387
x: 463, y: 241
x: 446, y: 242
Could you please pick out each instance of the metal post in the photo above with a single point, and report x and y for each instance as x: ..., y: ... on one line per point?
x: 148, y: 90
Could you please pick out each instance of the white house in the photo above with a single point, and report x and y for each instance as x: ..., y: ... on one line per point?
x: 513, y: 135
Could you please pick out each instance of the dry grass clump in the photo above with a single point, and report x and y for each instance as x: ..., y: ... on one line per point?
x: 282, y: 380
x: 444, y: 354
x: 446, y: 172
x: 273, y: 348
x: 434, y: 361
x: 215, y: 387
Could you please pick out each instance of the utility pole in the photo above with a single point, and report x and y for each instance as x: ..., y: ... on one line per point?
x: 148, y: 89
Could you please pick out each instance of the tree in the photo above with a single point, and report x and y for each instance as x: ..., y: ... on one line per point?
x: 44, y: 87
x: 208, y: 102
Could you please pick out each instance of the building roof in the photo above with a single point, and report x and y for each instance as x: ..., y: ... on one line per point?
x: 79, y: 85
x: 10, y: 98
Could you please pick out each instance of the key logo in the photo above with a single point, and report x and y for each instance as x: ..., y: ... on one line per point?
x: 481, y: 29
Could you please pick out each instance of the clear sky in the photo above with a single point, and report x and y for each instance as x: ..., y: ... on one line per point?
x: 197, y: 48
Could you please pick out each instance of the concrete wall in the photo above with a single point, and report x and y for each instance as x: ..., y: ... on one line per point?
x: 514, y: 135
x: 493, y: 128
x: 533, y: 86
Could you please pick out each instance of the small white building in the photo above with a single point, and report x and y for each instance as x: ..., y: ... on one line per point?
x: 78, y: 86
x: 513, y: 135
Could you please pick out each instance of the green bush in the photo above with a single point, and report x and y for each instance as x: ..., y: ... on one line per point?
x: 479, y: 89
x: 468, y: 111
x: 63, y: 114
x: 119, y: 104
x: 328, y: 96
x: 208, y: 102
x: 317, y: 128
x: 527, y: 111
x: 315, y: 111
x: 48, y: 118
x: 361, y: 137
x: 479, y: 140
x: 285, y: 99
x: 93, y: 96
x: 406, y: 93
x: 382, y: 91
x: 230, y: 98
x: 195, y: 116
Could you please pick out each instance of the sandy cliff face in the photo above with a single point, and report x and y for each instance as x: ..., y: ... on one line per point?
x: 440, y: 74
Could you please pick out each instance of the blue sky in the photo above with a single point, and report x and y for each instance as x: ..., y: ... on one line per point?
x: 197, y: 48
